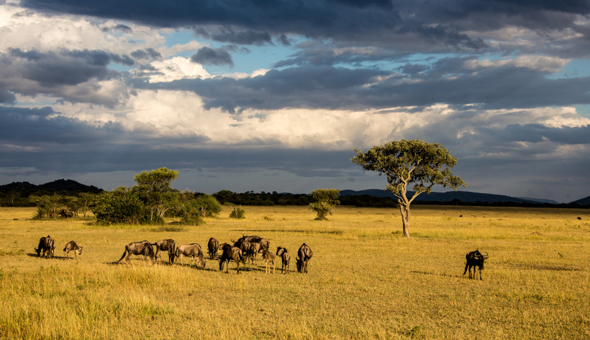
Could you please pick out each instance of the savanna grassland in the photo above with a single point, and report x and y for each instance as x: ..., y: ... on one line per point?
x: 365, y: 280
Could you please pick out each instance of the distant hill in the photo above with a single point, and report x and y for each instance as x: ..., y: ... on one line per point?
x: 463, y: 196
x: 539, y: 200
x: 55, y: 186
x: 582, y: 201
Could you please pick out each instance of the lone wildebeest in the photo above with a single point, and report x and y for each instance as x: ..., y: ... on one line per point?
x: 213, y: 247
x: 305, y: 255
x: 286, y: 258
x: 165, y: 245
x: 143, y: 248
x: 46, y: 245
x: 268, y: 257
x: 72, y: 246
x: 229, y: 253
x: 474, y: 259
x: 193, y: 250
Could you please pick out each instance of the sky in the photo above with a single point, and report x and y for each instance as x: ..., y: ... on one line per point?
x: 261, y: 95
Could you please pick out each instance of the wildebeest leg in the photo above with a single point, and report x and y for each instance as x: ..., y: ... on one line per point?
x: 480, y: 274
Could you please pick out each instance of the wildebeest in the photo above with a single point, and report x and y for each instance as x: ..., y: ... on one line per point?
x: 229, y: 253
x: 253, y: 252
x: 212, y: 247
x: 72, y: 246
x: 305, y: 254
x: 474, y: 259
x: 143, y: 248
x: 245, y: 242
x: 165, y: 245
x: 193, y: 250
x: 46, y: 245
x: 268, y: 257
x: 286, y: 258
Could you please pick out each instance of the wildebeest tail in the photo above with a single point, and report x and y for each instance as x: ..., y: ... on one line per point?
x: 124, y: 253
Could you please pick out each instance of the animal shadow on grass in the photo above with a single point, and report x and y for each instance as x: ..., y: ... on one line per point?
x: 431, y: 273
x: 53, y: 257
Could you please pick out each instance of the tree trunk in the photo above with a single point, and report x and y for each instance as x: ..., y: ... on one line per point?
x: 405, y: 212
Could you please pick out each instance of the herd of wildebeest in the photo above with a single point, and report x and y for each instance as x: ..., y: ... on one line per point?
x: 244, y: 249
x: 240, y: 251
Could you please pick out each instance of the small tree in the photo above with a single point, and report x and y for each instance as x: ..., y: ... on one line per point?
x: 410, y: 162
x: 326, y: 200
x: 154, y: 188
x: 237, y: 212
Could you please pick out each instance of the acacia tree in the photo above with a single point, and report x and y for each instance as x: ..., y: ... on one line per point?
x: 409, y: 162
x: 326, y: 199
x: 154, y: 187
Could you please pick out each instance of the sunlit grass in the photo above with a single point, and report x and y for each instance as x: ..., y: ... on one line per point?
x: 365, y: 280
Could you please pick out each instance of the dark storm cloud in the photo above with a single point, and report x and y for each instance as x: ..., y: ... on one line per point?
x: 6, y: 97
x: 68, y: 145
x: 536, y: 133
x: 210, y: 56
x: 46, y: 129
x: 33, y: 127
x: 380, y: 23
x: 120, y: 28
x: 57, y: 73
x: 306, y: 86
x: 228, y: 35
x: 148, y: 53
x: 447, y: 81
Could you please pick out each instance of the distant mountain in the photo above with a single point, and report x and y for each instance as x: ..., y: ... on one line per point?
x: 58, y: 185
x: 463, y: 196
x: 582, y: 201
x: 539, y: 200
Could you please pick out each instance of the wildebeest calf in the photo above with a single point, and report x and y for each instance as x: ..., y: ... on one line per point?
x: 165, y: 245
x: 305, y: 254
x: 286, y: 258
x: 474, y: 259
x: 72, y: 246
x: 268, y: 257
x: 212, y: 247
x: 46, y: 245
x: 143, y: 248
x: 193, y: 250
x: 229, y: 253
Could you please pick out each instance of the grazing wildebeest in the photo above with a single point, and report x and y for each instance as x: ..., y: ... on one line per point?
x: 46, y: 245
x: 268, y: 257
x: 143, y: 248
x: 72, y: 246
x: 165, y: 245
x: 253, y: 252
x: 244, y: 247
x: 286, y: 258
x: 305, y: 254
x: 193, y: 250
x: 213, y: 247
x: 474, y: 259
x: 244, y: 243
x: 229, y: 253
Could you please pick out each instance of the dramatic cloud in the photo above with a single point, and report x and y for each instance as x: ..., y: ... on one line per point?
x: 100, y: 90
x: 209, y: 56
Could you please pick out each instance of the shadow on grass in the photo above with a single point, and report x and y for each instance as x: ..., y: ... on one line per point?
x: 50, y: 258
x: 301, y: 231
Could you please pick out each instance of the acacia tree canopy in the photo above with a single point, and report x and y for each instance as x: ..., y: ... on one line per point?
x: 410, y: 162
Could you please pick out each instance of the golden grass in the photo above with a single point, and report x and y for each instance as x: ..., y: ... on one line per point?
x: 365, y: 281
